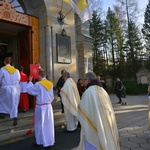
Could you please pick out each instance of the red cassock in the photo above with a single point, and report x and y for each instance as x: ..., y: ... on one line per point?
x: 24, y: 100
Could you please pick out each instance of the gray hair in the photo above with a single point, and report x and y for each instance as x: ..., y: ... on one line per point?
x: 90, y: 76
x: 66, y: 74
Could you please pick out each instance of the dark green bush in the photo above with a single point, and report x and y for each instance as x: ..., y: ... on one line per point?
x: 133, y: 88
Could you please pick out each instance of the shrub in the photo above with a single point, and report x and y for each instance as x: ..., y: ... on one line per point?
x: 133, y: 88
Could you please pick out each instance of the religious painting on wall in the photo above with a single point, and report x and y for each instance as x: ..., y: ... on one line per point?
x: 63, y: 45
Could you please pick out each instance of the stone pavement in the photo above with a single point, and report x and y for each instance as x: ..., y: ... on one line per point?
x: 132, y: 122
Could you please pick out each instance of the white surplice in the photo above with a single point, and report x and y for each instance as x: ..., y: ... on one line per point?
x: 9, y: 92
x: 44, y: 119
x: 98, y: 123
x: 70, y: 99
x: 23, y: 87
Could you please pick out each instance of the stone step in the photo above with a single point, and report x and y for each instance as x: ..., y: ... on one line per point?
x: 10, y: 133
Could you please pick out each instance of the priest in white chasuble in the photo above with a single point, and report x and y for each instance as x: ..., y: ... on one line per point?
x: 70, y: 99
x: 97, y: 119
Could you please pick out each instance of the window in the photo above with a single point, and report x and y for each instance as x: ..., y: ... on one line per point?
x: 16, y: 5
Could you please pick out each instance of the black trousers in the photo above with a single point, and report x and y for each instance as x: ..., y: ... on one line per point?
x: 62, y: 106
x: 119, y: 96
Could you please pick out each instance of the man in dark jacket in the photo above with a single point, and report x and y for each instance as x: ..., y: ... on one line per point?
x: 59, y: 85
x: 118, y: 91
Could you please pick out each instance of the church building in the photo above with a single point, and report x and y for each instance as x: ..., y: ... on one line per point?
x: 46, y: 32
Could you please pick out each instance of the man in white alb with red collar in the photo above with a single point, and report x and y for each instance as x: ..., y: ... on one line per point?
x: 44, y: 120
x: 10, y: 90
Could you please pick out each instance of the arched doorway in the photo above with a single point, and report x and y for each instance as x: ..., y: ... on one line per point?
x: 18, y: 36
x: 10, y: 43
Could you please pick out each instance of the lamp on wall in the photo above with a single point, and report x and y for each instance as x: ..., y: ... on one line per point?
x: 61, y: 16
x: 63, y: 32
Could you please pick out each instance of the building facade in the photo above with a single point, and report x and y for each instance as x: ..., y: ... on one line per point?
x: 31, y: 32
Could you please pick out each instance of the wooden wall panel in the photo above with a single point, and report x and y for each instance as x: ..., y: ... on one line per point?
x: 33, y: 22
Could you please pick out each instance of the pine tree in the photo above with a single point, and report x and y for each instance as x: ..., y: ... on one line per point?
x: 96, y: 32
x: 115, y: 40
x: 134, y: 49
x: 146, y: 30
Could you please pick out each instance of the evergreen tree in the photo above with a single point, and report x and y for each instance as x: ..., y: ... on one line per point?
x: 146, y: 32
x: 115, y: 40
x: 134, y: 49
x: 96, y: 32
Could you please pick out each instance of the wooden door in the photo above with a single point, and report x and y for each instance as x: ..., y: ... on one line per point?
x: 3, y: 54
x: 25, y: 50
x: 25, y: 56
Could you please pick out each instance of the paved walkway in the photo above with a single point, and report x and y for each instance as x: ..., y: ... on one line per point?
x: 132, y: 122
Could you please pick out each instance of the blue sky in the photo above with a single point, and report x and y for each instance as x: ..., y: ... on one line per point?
x: 109, y: 3
x: 141, y: 3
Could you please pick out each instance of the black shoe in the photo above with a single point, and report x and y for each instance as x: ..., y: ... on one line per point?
x: 79, y: 125
x: 35, y: 145
x: 118, y: 102
x: 66, y: 131
x: 48, y: 147
x: 2, y: 117
x: 15, y: 122
x: 70, y: 131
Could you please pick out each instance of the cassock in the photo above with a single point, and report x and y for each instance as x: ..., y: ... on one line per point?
x: 24, y: 100
x: 70, y: 99
x: 97, y: 119
x: 9, y: 90
x: 44, y: 120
